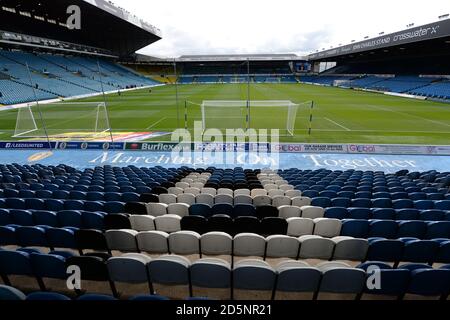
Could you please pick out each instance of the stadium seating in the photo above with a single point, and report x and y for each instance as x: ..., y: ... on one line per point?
x: 257, y: 225
x: 54, y: 76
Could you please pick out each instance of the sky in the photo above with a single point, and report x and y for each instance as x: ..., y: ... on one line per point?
x: 274, y: 26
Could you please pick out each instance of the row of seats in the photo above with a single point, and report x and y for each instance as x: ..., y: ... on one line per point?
x: 246, y: 279
x: 367, y: 192
x: 325, y: 202
x: 323, y: 243
x: 175, y: 217
x: 8, y: 293
x: 75, y: 195
x: 386, y: 214
x: 62, y: 204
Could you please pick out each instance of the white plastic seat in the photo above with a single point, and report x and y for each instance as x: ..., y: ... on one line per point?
x: 153, y: 242
x: 157, y: 209
x: 241, y: 192
x: 167, y: 198
x: 122, y: 240
x: 258, y: 192
x: 350, y: 249
x: 282, y: 247
x: 276, y: 192
x: 210, y: 191
x: 205, y: 198
x: 279, y: 201
x: 316, y: 247
x: 186, y: 198
x: 287, y: 212
x: 176, y: 190
x: 183, y: 184
x: 217, y: 244
x: 223, y: 198
x: 301, y: 201
x: 271, y: 186
x: 312, y: 212
x: 243, y: 199
x: 142, y: 223
x: 262, y: 201
x: 328, y: 228
x: 184, y: 243
x: 168, y: 223
x: 194, y: 191
x: 225, y: 191
x: 293, y: 193
x: 249, y: 245
x: 298, y: 227
x: 179, y: 209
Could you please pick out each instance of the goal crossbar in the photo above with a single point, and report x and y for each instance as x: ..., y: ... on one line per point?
x: 249, y: 114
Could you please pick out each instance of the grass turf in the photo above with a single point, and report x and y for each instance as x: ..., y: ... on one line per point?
x: 339, y: 116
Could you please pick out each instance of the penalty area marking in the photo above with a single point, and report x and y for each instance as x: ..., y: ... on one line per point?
x: 339, y: 125
x: 157, y: 122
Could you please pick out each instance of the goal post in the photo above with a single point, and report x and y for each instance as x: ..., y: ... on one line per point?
x: 242, y: 114
x: 64, y: 120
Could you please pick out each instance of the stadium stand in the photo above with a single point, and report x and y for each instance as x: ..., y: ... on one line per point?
x: 256, y: 225
x: 54, y: 76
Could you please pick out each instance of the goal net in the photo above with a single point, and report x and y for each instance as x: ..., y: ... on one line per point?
x: 84, y: 121
x: 239, y: 79
x: 241, y: 114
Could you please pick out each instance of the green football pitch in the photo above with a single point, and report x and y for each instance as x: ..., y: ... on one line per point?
x: 339, y: 115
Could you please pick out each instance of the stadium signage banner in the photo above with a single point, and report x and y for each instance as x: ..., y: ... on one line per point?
x: 89, y: 145
x: 27, y: 145
x: 427, y: 32
x: 155, y: 146
x: 398, y: 149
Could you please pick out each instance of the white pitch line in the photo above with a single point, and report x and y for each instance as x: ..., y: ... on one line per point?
x: 154, y: 124
x: 339, y: 125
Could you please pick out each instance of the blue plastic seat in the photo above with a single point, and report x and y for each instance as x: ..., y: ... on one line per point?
x: 383, y: 229
x: 432, y: 215
x: 442, y: 205
x: 47, y: 296
x: 94, y: 206
x: 5, y: 217
x: 385, y: 250
x: 70, y: 218
x: 113, y: 207
x: 402, y: 204
x: 8, y: 236
x: 15, y: 203
x: 8, y: 293
x: 61, y: 238
x: 383, y: 214
x: 361, y: 203
x: 438, y: 230
x: 54, y: 204
x: 414, y: 229
x: 336, y: 213
x: 428, y: 282
x: 424, y: 204
x: 407, y: 214
x: 422, y: 251
x: 35, y: 204
x: 31, y: 237
x: 323, y: 202
x: 359, y: 213
x: 22, y: 217
x: 382, y: 203
x: 355, y: 228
